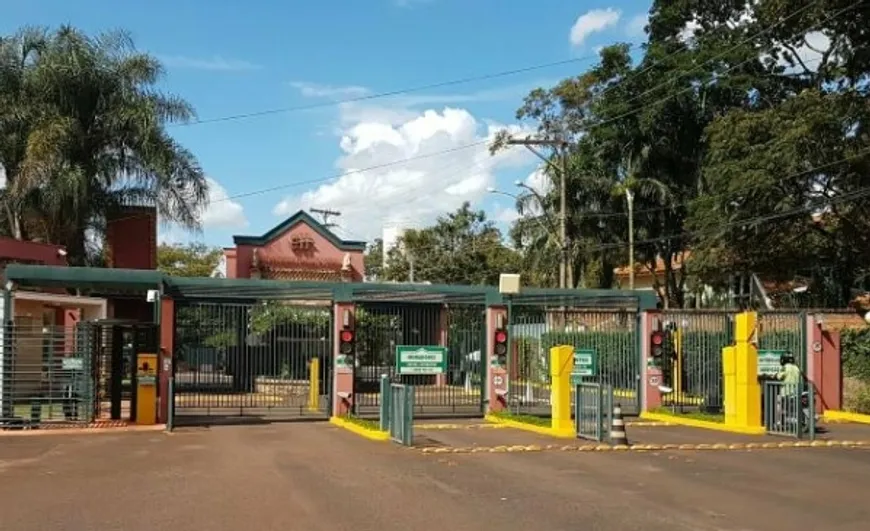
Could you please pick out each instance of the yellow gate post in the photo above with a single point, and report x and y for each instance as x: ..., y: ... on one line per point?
x: 146, y: 389
x: 561, y: 366
x: 314, y: 385
x: 740, y: 373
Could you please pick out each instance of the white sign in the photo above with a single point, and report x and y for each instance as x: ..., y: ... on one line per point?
x: 654, y: 380
x: 72, y: 364
x: 498, y: 380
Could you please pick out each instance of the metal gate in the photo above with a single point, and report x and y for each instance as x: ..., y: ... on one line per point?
x: 268, y: 360
x: 381, y: 327
x: 611, y: 334
x: 592, y: 410
x: 401, y: 418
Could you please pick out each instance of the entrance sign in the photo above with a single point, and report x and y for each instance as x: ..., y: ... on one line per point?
x: 585, y: 364
x: 421, y: 359
x: 768, y: 362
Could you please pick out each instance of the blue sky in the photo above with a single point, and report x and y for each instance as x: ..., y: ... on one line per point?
x: 231, y: 58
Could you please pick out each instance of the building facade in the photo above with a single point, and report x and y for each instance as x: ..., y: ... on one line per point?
x: 299, y: 248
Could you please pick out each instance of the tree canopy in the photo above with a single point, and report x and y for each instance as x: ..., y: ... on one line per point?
x: 83, y: 133
x: 189, y: 260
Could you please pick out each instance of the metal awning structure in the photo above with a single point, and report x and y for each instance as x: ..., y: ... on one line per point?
x: 199, y: 288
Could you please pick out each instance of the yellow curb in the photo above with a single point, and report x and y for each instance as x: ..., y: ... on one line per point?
x: 846, y: 416
x: 649, y: 424
x: 373, y: 435
x: 540, y: 430
x: 703, y: 424
x: 457, y: 426
x: 648, y: 447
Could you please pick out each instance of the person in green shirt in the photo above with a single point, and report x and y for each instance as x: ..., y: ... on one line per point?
x: 790, y: 375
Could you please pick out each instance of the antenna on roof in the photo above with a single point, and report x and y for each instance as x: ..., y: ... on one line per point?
x: 325, y: 213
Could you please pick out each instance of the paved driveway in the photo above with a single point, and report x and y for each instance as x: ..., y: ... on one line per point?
x: 311, y: 477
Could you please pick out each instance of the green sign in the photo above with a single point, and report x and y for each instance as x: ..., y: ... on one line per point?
x: 421, y: 359
x: 343, y: 361
x: 585, y: 363
x: 768, y: 362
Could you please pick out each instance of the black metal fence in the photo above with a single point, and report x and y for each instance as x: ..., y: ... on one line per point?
x: 381, y: 327
x: 47, y: 375
x: 270, y: 359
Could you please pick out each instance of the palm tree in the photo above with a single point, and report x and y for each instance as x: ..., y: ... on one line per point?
x: 99, y: 141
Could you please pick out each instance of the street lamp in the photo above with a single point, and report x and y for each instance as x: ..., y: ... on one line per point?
x: 562, y: 170
x: 548, y: 230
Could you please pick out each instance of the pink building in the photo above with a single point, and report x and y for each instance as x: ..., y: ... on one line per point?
x: 300, y: 248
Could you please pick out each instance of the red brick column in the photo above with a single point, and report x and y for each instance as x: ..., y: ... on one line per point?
x: 167, y: 355
x: 651, y: 376
x: 497, y: 375
x: 443, y: 326
x: 342, y: 373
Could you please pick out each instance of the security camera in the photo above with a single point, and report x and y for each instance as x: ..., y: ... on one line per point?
x: 152, y: 295
x: 61, y: 252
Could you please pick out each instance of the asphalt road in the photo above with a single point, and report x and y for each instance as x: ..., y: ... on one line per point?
x: 313, y: 476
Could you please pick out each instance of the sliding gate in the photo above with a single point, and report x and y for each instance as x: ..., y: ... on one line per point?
x: 381, y: 327
x: 266, y: 360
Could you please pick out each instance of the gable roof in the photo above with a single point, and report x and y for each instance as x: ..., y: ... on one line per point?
x: 301, y: 217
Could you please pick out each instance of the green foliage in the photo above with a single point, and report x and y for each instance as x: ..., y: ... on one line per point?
x: 83, y: 133
x: 373, y: 258
x: 855, y: 352
x: 461, y: 248
x: 369, y: 425
x: 190, y: 260
x: 525, y: 419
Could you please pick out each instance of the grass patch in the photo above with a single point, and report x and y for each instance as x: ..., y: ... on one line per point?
x: 694, y: 415
x: 525, y: 419
x: 372, y: 425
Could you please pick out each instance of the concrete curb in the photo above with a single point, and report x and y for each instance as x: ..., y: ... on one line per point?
x: 372, y: 435
x: 846, y: 416
x: 702, y: 424
x: 540, y: 430
x: 534, y: 448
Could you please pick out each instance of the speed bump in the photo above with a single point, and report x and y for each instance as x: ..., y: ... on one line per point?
x: 738, y: 447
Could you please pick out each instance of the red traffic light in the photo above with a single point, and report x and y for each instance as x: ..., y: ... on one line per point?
x: 346, y: 336
x: 500, y: 336
x: 657, y: 338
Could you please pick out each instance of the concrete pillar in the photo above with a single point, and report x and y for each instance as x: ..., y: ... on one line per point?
x: 496, y: 370
x: 166, y: 355
x: 651, y: 373
x: 443, y: 327
x: 342, y: 366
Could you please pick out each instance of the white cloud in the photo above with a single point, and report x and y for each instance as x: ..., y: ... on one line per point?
x: 222, y: 212
x: 412, y: 193
x: 591, y: 22
x: 317, y: 90
x: 506, y: 215
x: 635, y: 26
x: 215, y: 63
x: 810, y: 53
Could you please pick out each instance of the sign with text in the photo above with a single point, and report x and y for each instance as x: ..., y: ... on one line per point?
x: 768, y: 362
x: 421, y: 359
x: 585, y: 364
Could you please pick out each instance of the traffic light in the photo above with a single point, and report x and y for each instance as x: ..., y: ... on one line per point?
x: 501, y: 338
x: 657, y: 340
x: 346, y: 340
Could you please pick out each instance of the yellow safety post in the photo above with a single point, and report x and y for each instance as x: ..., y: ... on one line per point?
x: 561, y: 366
x: 740, y: 372
x: 314, y: 385
x: 146, y: 389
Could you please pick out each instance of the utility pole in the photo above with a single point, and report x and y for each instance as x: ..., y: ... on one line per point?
x: 629, y: 196
x: 325, y: 213
x: 566, y: 276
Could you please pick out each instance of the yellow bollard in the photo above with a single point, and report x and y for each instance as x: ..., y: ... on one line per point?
x: 561, y: 366
x: 740, y: 374
x: 314, y: 385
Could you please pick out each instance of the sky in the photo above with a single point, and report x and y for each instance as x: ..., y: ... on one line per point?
x: 271, y: 80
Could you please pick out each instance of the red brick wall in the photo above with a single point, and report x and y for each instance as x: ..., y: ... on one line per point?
x: 131, y: 239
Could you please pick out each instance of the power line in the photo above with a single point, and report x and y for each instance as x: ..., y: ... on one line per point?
x: 398, y: 92
x: 325, y: 214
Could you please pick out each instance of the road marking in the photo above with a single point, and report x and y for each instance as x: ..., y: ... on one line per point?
x: 533, y: 448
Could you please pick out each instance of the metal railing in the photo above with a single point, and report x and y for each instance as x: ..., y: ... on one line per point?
x: 592, y: 408
x: 46, y: 375
x: 402, y: 414
x: 789, y: 409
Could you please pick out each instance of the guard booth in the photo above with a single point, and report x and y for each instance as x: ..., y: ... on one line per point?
x: 126, y: 353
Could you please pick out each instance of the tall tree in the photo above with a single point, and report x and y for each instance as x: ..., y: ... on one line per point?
x: 189, y: 260
x: 374, y: 259
x: 91, y: 138
x: 461, y: 248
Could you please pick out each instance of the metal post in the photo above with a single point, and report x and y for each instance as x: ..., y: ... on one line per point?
x: 563, y: 222
x: 630, y: 198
